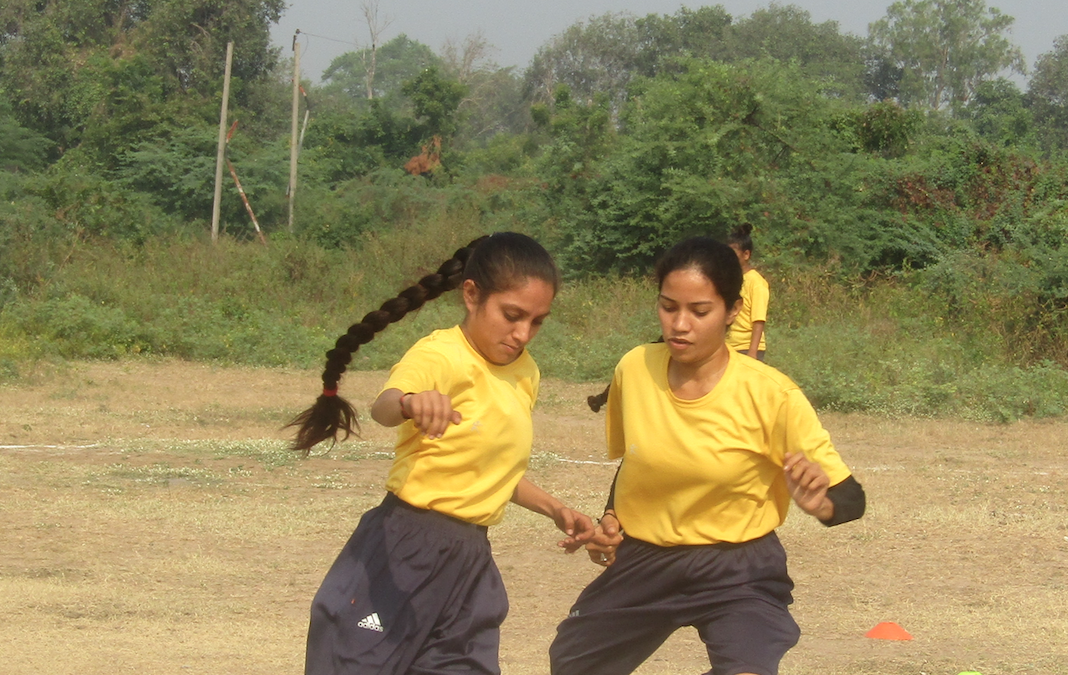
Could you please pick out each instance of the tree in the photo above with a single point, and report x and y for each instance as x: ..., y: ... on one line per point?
x: 60, y: 60
x: 1048, y: 94
x: 945, y: 48
x: 998, y: 112
x: 20, y: 148
x: 494, y: 99
x: 375, y: 27
x: 590, y: 58
x: 396, y: 62
x: 435, y: 99
x: 701, y: 148
x: 600, y: 57
x: 697, y: 33
x: 786, y: 33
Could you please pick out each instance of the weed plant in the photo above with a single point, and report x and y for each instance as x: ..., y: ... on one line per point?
x: 965, y: 337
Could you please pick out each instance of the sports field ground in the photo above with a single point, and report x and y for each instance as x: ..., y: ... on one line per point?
x: 153, y: 522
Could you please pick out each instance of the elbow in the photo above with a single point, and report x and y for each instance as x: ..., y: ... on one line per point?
x: 850, y: 502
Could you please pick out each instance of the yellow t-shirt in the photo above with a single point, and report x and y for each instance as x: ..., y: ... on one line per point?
x: 470, y: 472
x: 755, y: 296
x: 708, y: 470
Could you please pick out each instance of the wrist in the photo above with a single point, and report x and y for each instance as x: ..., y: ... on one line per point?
x: 825, y: 511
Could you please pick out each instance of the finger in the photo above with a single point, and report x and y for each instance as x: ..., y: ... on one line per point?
x: 422, y: 412
x: 434, y: 415
x: 567, y: 518
x: 456, y: 418
x: 798, y: 468
x: 585, y: 526
x: 569, y: 544
x: 442, y: 412
x: 610, y: 526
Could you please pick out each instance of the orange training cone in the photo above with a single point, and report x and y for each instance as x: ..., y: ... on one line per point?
x: 888, y: 630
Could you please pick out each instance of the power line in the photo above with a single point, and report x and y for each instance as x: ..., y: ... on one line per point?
x: 323, y: 37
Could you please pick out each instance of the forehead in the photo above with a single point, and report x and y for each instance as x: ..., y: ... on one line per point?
x: 689, y: 286
x: 532, y: 295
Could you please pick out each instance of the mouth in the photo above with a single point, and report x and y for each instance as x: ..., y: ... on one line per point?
x: 678, y: 343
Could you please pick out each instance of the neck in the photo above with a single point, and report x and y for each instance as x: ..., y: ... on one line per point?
x: 694, y: 380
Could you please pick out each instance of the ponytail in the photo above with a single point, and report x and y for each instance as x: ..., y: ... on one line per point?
x: 331, y: 415
x: 742, y: 237
x: 597, y: 401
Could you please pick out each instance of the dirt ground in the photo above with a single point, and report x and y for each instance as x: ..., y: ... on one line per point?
x: 153, y: 522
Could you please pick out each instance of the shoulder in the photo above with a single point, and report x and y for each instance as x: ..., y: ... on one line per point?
x: 756, y: 374
x: 755, y: 277
x: 526, y: 367
x: 441, y: 344
x: 643, y: 356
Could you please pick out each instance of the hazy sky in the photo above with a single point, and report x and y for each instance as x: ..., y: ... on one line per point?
x: 517, y: 28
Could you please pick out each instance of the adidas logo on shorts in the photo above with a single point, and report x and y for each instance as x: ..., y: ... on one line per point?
x: 371, y: 622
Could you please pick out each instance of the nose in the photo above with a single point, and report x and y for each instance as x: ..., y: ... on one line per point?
x: 522, y: 333
x: 680, y: 323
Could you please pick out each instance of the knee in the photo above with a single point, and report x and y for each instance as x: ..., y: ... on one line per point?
x: 564, y: 654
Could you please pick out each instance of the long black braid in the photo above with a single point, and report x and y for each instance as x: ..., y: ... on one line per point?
x: 332, y: 416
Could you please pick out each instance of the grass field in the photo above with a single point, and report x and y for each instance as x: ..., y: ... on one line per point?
x: 153, y: 522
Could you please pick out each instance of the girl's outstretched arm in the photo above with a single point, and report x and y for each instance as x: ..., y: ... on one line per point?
x: 578, y: 527
x: 431, y: 411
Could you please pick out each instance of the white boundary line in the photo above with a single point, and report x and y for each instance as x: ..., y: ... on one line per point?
x: 584, y: 461
x: 48, y: 447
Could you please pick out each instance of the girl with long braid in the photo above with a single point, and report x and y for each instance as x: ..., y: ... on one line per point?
x: 415, y: 589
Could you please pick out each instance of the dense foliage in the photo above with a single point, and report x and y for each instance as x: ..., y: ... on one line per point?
x: 910, y: 203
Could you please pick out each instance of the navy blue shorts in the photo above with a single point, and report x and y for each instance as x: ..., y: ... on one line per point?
x: 413, y: 591
x: 735, y: 595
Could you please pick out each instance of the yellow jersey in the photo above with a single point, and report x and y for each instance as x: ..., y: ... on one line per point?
x: 708, y: 470
x: 755, y: 297
x: 470, y: 472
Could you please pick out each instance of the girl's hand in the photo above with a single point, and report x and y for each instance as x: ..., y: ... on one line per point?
x: 431, y: 411
x: 602, y: 547
x: 808, y: 483
x: 578, y: 527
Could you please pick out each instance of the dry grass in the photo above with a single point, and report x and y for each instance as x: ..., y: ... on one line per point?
x: 155, y: 523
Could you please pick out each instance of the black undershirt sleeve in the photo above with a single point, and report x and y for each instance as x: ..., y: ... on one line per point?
x: 611, y: 504
x: 849, y: 502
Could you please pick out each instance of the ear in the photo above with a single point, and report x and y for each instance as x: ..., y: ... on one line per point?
x: 472, y: 296
x: 733, y: 313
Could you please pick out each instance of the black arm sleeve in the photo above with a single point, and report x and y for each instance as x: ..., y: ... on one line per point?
x: 612, y: 491
x: 848, y: 499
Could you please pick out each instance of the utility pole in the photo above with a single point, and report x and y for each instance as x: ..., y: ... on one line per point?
x: 293, y: 146
x: 220, y: 154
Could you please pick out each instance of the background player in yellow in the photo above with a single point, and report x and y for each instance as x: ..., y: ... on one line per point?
x: 415, y: 589
x: 713, y: 446
x: 747, y: 333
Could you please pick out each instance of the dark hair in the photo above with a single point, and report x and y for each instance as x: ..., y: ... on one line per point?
x: 714, y: 260
x: 495, y: 263
x: 505, y: 260
x: 742, y: 237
